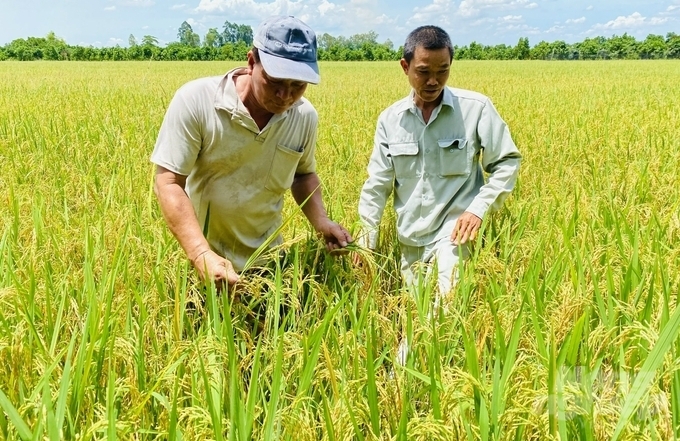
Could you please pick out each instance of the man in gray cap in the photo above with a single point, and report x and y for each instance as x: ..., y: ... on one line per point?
x: 231, y: 146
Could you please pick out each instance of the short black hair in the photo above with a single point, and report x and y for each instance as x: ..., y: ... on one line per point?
x: 427, y: 37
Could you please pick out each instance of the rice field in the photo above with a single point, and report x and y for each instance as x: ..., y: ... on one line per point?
x: 564, y: 325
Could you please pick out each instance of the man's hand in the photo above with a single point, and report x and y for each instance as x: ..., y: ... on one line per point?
x: 335, y: 236
x: 306, y: 190
x: 362, y: 243
x: 466, y: 228
x: 213, y: 267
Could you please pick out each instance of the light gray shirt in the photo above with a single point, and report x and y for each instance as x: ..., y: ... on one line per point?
x: 436, y: 169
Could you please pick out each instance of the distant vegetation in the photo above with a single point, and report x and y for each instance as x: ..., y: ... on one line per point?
x: 235, y: 40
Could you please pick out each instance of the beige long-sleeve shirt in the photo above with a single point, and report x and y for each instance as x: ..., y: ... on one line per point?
x: 436, y: 169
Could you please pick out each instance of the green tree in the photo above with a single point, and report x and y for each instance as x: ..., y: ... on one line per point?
x: 590, y: 48
x: 149, y: 49
x: 622, y: 47
x: 175, y: 51
x: 187, y: 36
x: 388, y: 44
x: 245, y: 34
x: 523, y: 50
x: 213, y: 38
x: 53, y: 47
x: 541, y: 51
x: 149, y: 40
x: 357, y: 41
x: 559, y: 50
x: 26, y: 49
x: 235, y: 41
x: 673, y: 45
x: 476, y: 51
x: 233, y: 33
x: 653, y: 47
x: 500, y: 52
x: 326, y: 41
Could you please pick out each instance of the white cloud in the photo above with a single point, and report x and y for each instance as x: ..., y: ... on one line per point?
x: 244, y: 8
x: 635, y: 20
x: 437, y: 12
x: 255, y: 11
x: 658, y: 20
x: 383, y: 19
x: 576, y: 20
x: 525, y: 29
x: 471, y: 8
x: 512, y: 18
x: 483, y: 21
x: 466, y: 9
x: 176, y: 7
x: 524, y: 4
x: 325, y: 6
x: 589, y: 8
x: 553, y: 29
x: 508, y: 25
x: 114, y: 41
x: 139, y: 3
x: 134, y: 3
x: 354, y: 16
x: 507, y: 21
x: 145, y: 27
x: 337, y: 17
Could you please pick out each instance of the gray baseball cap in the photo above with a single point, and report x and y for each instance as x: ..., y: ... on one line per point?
x: 287, y: 49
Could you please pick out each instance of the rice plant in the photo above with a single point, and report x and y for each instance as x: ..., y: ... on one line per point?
x: 564, y: 324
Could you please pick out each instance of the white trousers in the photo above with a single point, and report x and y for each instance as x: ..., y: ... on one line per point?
x: 443, y: 254
x: 418, y: 262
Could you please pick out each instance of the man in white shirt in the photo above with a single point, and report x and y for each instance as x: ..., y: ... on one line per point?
x: 231, y: 146
x: 430, y: 150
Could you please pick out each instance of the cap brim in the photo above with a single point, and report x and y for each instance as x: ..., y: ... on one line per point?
x: 278, y: 67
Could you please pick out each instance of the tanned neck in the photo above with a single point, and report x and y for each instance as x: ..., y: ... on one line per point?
x: 245, y: 93
x: 427, y: 108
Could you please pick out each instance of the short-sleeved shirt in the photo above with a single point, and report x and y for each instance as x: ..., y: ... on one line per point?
x: 237, y: 174
x: 436, y: 169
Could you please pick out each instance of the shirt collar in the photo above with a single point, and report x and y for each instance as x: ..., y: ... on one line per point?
x: 409, y: 103
x: 227, y: 97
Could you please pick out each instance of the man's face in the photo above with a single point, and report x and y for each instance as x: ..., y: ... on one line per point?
x: 427, y: 72
x: 274, y: 95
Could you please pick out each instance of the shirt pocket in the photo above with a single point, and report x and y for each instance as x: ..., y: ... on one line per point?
x: 404, y: 158
x: 454, y: 157
x: 282, y: 170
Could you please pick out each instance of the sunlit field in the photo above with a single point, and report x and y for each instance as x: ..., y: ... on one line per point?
x: 564, y: 325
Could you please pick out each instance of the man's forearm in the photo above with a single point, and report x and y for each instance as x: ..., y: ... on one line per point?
x: 313, y: 209
x: 181, y: 219
x: 499, y: 185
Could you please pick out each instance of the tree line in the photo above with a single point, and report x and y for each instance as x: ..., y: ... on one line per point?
x: 235, y: 40
x: 617, y: 47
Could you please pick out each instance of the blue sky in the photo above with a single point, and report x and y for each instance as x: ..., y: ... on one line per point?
x: 110, y: 22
